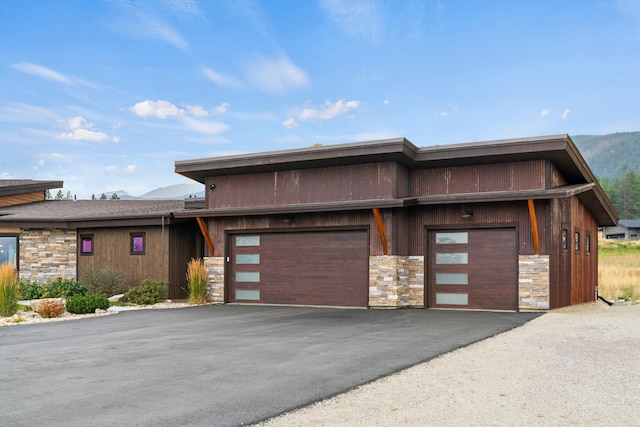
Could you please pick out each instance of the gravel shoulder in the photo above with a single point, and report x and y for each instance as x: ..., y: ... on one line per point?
x: 578, y: 365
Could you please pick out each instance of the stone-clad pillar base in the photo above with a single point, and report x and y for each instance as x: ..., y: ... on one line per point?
x: 396, y: 281
x: 215, y: 270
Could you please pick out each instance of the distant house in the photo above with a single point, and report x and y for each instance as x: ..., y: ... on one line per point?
x: 46, y: 239
x: 495, y: 225
x: 626, y: 229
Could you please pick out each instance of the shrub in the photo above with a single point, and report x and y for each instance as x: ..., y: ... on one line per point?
x: 9, y: 290
x: 50, y: 308
x: 31, y: 290
x: 82, y: 304
x: 197, y: 278
x: 106, y: 281
x: 150, y: 292
x: 62, y: 288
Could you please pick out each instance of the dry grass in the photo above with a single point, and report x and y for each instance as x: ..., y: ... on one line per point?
x: 8, y: 290
x: 619, y: 269
x: 197, y: 278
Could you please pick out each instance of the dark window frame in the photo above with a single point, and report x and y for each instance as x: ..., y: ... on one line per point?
x: 17, y: 237
x: 83, y: 238
x: 564, y: 244
x: 133, y: 249
x: 587, y: 244
x: 576, y: 240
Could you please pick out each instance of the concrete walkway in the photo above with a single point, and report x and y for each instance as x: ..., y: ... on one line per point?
x: 215, y: 365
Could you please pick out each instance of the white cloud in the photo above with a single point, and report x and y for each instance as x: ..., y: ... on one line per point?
x: 159, y: 109
x: 131, y: 168
x: 222, y: 108
x: 115, y: 139
x: 220, y: 79
x: 58, y: 157
x: 111, y: 168
x: 80, y: 130
x: 135, y: 22
x: 185, y: 8
x: 444, y: 114
x: 205, y: 126
x: 565, y: 113
x: 330, y: 111
x: 43, y: 72
x: 386, y: 101
x: 276, y: 76
x: 197, y: 111
x: 544, y: 113
x: 358, y: 18
x: 290, y: 123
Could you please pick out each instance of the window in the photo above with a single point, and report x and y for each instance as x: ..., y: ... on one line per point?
x: 9, y: 250
x: 565, y: 240
x: 86, y: 244
x: 137, y: 244
x: 587, y: 244
x: 576, y: 240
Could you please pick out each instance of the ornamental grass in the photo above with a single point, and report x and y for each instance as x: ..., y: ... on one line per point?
x: 619, y: 270
x: 9, y: 290
x: 197, y: 278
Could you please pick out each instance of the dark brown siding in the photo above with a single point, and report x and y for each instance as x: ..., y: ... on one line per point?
x: 484, y: 214
x: 555, y: 178
x: 363, y: 219
x: 479, y: 178
x: 584, y: 267
x: 111, y: 249
x: 339, y: 183
x: 183, y: 240
x: 560, y: 259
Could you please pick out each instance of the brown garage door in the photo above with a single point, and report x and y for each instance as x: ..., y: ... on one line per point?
x: 306, y: 268
x: 473, y: 269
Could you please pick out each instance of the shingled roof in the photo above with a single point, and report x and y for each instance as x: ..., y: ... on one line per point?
x: 90, y: 213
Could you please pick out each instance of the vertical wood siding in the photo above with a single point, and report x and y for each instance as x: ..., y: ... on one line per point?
x: 182, y: 247
x: 339, y: 183
x: 515, y: 213
x: 479, y: 178
x: 584, y: 267
x: 111, y: 249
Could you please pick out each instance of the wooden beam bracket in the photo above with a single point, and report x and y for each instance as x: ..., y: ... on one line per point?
x: 205, y: 232
x: 534, y: 226
x: 380, y: 225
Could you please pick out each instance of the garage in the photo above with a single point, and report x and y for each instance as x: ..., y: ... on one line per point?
x: 473, y: 269
x: 328, y: 268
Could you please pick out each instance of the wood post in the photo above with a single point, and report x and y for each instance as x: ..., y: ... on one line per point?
x: 534, y: 226
x: 205, y: 232
x: 380, y: 225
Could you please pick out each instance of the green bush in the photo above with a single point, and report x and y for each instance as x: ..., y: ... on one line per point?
x: 58, y: 288
x: 106, y: 281
x: 50, y: 308
x: 150, y: 292
x: 82, y: 304
x: 9, y: 290
x: 31, y: 290
x: 63, y: 288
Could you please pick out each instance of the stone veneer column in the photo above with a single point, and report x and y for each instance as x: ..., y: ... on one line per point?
x: 533, y: 282
x: 396, y: 281
x: 215, y: 270
x: 48, y: 254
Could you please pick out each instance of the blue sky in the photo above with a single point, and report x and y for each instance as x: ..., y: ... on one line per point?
x: 107, y: 95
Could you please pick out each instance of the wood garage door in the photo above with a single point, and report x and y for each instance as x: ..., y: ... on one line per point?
x: 473, y: 269
x: 306, y: 268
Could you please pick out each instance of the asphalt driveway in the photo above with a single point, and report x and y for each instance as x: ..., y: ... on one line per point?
x: 215, y: 365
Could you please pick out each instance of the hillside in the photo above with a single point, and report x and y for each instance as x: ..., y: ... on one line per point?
x: 609, y: 155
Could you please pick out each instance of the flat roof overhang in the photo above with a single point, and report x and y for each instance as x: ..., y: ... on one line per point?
x: 585, y: 192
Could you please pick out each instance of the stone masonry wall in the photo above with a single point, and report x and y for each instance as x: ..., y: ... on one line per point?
x: 215, y: 270
x: 396, y: 281
x: 533, y: 282
x: 48, y: 254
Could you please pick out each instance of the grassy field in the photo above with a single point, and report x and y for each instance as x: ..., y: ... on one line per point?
x: 619, y: 269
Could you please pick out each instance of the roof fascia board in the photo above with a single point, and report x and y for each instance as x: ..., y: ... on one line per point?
x: 30, y: 187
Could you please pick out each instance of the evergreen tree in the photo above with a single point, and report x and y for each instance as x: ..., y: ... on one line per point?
x: 103, y: 197
x: 59, y: 195
x: 69, y: 195
x: 93, y: 196
x: 47, y: 195
x: 114, y: 196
